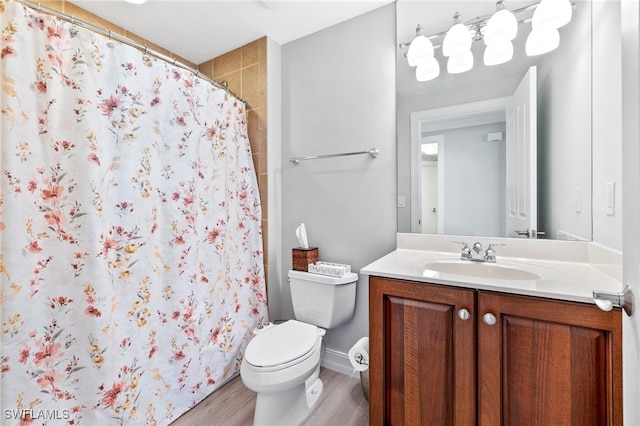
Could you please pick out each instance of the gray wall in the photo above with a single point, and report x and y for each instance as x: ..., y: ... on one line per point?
x: 607, y: 111
x: 564, y: 132
x: 474, y: 176
x: 338, y: 95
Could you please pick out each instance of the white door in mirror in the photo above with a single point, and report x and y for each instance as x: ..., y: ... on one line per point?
x: 521, y: 157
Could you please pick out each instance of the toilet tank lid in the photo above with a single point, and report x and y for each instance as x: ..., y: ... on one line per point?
x: 324, y: 279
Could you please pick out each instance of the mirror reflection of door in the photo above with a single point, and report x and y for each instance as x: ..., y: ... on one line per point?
x: 488, y: 143
x: 430, y: 190
x: 522, y: 206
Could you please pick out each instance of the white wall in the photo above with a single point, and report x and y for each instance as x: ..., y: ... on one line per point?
x: 630, y: 30
x: 339, y: 96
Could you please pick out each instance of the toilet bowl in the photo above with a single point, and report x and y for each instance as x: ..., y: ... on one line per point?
x: 282, y: 362
x: 282, y: 365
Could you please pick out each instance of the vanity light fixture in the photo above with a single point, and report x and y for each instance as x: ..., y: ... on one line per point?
x: 556, y: 13
x: 420, y: 55
x: 547, y: 18
x: 460, y: 63
x: 420, y: 49
x: 458, y: 39
x: 497, y: 31
x: 498, y: 34
x: 542, y: 40
x: 136, y: 1
x: 428, y: 70
x: 457, y: 46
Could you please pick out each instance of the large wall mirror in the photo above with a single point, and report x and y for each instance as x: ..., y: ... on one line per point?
x: 462, y: 166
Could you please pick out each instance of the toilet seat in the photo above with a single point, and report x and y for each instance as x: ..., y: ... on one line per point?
x: 282, y: 346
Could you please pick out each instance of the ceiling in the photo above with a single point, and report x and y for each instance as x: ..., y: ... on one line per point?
x: 201, y: 30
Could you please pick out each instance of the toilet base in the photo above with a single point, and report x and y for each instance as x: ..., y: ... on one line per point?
x: 290, y: 407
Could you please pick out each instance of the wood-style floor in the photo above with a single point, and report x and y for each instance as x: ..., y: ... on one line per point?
x: 342, y: 404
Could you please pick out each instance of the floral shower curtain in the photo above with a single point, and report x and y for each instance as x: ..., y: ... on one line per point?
x: 131, y: 248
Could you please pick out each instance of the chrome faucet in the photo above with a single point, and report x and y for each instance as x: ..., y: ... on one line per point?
x: 490, y: 254
x: 477, y: 247
x: 466, y: 251
x: 477, y: 254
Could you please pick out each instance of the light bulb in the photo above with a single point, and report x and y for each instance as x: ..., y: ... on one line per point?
x: 555, y: 13
x: 460, y: 63
x: 458, y: 39
x: 428, y: 70
x: 419, y: 51
x: 498, y: 53
x: 501, y: 27
x: 542, y: 40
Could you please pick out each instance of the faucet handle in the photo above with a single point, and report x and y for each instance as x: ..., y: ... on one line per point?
x: 465, y: 245
x: 466, y: 251
x: 492, y: 245
x: 490, y: 253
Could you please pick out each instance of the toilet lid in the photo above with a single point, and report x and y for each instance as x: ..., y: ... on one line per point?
x: 281, y: 344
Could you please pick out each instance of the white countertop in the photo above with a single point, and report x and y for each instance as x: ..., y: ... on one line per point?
x: 573, y: 273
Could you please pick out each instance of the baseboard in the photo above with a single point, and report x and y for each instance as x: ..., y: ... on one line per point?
x: 338, y: 361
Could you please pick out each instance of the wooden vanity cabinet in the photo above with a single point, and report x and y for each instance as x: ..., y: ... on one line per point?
x: 421, y: 354
x: 548, y: 362
x: 442, y: 355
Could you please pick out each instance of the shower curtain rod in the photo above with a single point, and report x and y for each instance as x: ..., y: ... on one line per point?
x: 142, y: 47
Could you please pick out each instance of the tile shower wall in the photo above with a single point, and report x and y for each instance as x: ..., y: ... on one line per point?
x: 243, y: 69
x: 245, y: 72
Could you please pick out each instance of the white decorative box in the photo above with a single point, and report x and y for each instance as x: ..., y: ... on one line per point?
x: 331, y: 269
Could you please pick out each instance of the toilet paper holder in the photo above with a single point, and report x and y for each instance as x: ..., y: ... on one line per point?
x: 606, y: 300
x: 361, y: 360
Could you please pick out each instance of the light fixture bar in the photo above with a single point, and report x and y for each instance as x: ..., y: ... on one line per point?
x: 475, y: 25
x: 497, y: 30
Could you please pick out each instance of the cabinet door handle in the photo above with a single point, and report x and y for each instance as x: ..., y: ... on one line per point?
x: 489, y: 318
x: 463, y: 314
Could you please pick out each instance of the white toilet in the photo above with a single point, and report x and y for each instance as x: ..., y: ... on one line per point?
x: 282, y: 362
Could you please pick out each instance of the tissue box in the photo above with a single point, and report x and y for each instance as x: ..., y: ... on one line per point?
x: 302, y: 258
x: 331, y: 269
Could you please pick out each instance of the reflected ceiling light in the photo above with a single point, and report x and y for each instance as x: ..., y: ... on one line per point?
x: 420, y: 49
x: 498, y: 53
x: 458, y: 39
x: 497, y: 31
x: 555, y: 13
x: 542, y: 40
x: 428, y: 70
x: 429, y: 148
x: 136, y: 1
x: 501, y: 27
x: 460, y: 63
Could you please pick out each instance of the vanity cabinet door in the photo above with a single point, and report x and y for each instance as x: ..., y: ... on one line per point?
x: 422, y: 354
x: 543, y: 362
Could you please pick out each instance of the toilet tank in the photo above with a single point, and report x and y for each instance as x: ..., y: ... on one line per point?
x: 323, y: 300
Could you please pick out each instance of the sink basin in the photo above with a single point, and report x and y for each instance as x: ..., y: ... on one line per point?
x: 481, y: 270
